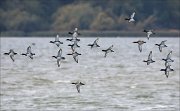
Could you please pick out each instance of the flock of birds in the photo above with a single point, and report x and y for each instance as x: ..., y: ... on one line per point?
x: 75, y: 54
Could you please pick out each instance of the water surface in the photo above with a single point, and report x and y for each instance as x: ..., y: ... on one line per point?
x: 120, y: 82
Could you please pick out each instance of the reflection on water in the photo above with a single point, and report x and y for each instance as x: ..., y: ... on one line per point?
x: 121, y: 81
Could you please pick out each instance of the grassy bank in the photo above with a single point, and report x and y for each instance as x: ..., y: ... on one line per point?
x: 90, y: 34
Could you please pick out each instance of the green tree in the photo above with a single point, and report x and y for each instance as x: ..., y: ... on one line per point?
x: 70, y: 16
x: 103, y: 22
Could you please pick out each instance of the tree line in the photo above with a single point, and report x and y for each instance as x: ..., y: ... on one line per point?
x: 94, y: 15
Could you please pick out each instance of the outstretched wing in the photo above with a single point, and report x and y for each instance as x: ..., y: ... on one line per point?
x: 82, y: 83
x: 133, y: 14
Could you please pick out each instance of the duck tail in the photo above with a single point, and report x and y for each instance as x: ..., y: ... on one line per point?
x: 62, y: 57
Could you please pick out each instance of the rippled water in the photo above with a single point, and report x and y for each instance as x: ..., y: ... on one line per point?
x: 120, y: 82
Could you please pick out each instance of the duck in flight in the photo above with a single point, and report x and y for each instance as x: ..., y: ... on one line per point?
x: 161, y: 45
x: 74, y: 35
x: 94, y: 44
x: 57, y: 42
x: 167, y: 70
x: 73, y: 46
x: 59, y: 57
x: 78, y: 84
x: 75, y: 55
x: 148, y: 32
x: 149, y: 59
x: 29, y: 53
x: 168, y: 58
x: 131, y: 18
x: 108, y: 50
x: 11, y: 53
x: 140, y: 43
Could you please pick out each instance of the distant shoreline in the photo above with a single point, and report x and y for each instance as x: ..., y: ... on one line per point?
x: 91, y: 34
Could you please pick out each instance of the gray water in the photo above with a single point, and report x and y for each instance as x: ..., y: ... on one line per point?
x: 120, y: 82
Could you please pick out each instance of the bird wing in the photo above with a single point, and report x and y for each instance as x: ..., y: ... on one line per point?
x: 133, y: 14
x: 82, y: 83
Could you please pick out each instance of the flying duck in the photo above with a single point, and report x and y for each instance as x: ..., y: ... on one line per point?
x: 149, y: 59
x: 167, y: 70
x: 78, y: 84
x: 74, y: 35
x: 140, y: 43
x: 148, y: 32
x: 108, y: 50
x: 75, y: 55
x: 11, y: 53
x: 161, y: 45
x: 168, y: 58
x: 57, y: 42
x: 131, y: 19
x: 59, y: 57
x: 29, y: 53
x: 73, y: 46
x: 94, y: 44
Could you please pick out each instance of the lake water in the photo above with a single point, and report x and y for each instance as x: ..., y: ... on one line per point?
x: 119, y: 82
